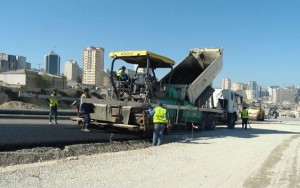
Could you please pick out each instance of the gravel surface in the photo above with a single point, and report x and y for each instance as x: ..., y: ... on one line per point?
x: 265, y: 156
x: 41, y: 154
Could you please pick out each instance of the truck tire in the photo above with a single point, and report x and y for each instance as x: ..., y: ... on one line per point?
x: 231, y: 121
x: 210, y: 122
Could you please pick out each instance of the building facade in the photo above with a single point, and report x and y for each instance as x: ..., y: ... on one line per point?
x: 3, y: 62
x: 272, y: 93
x: 52, y: 63
x: 21, y: 62
x: 287, y: 94
x: 238, y: 86
x: 8, y: 62
x: 226, y: 83
x: 252, y: 90
x: 28, y: 66
x: 3, y: 65
x: 13, y: 62
x: 72, y: 71
x: 93, y: 66
x: 23, y: 78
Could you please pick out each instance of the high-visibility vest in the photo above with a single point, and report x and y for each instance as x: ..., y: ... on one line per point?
x: 84, y: 96
x: 53, y: 102
x: 119, y: 74
x: 244, y: 113
x: 160, y: 115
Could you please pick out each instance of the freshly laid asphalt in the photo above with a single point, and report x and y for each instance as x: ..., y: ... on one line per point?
x: 23, y: 133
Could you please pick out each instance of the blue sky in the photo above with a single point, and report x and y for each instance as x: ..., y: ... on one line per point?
x: 260, y: 37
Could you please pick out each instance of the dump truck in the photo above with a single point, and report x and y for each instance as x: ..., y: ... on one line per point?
x: 185, y: 90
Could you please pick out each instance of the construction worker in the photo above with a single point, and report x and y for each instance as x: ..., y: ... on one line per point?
x: 53, y: 102
x: 160, y: 120
x: 85, y: 110
x: 244, y: 116
x: 121, y: 75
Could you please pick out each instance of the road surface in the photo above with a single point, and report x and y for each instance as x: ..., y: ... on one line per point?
x: 268, y: 155
x: 28, y: 133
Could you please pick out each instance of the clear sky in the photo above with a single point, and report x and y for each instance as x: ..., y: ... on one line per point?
x: 260, y: 37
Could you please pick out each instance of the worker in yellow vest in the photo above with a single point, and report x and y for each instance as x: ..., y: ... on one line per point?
x: 160, y: 120
x: 244, y: 116
x: 53, y: 102
x: 121, y: 75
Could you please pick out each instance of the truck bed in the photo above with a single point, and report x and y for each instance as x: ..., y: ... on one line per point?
x: 197, y: 71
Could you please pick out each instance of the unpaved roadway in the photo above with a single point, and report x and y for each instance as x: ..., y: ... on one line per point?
x: 267, y: 155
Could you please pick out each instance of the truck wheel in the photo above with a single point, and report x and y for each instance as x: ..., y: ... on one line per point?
x: 231, y: 121
x: 210, y: 122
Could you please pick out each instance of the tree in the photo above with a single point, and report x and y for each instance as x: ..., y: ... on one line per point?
x: 44, y: 81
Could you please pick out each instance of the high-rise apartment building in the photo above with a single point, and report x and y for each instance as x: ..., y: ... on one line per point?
x: 226, y: 83
x: 72, y: 71
x: 52, y: 63
x: 272, y: 92
x: 93, y: 66
x: 252, y: 90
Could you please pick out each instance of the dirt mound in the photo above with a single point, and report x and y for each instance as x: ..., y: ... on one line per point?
x: 19, y: 105
x: 70, y: 93
x: 8, y: 95
x: 12, y: 96
x: 77, y: 93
